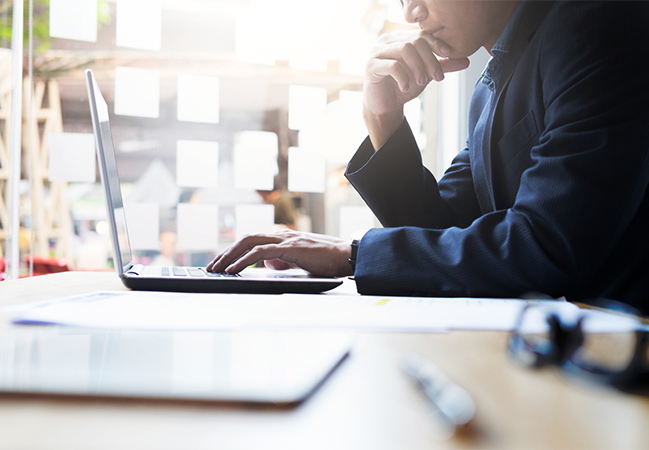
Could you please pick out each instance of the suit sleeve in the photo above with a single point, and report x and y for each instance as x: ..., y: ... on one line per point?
x: 586, y: 185
x: 402, y: 192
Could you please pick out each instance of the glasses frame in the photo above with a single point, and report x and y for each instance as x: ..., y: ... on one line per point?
x: 561, y: 347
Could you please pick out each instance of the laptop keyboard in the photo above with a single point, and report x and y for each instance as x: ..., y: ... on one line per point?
x: 193, y: 272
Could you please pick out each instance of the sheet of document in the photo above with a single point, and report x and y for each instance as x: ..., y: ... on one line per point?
x: 181, y: 311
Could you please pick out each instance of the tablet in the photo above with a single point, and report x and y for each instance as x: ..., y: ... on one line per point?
x: 248, y: 367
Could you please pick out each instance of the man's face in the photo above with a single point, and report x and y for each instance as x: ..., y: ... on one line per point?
x: 463, y: 25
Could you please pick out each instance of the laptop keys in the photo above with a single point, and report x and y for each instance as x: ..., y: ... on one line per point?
x: 222, y: 275
x: 193, y: 272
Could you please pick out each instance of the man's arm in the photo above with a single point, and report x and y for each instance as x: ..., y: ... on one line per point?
x: 578, y: 201
x: 401, y: 192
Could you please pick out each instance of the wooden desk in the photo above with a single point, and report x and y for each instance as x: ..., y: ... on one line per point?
x: 367, y: 403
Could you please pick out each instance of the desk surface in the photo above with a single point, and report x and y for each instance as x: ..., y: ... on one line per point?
x: 367, y: 403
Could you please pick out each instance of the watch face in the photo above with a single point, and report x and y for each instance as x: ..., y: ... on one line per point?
x: 354, y: 245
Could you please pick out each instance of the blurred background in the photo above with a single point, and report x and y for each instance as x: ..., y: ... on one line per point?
x: 229, y: 117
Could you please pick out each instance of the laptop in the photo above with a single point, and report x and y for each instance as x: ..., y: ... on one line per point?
x: 178, y: 279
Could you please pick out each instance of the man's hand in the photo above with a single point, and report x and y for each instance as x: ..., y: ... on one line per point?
x: 318, y: 254
x: 400, y: 66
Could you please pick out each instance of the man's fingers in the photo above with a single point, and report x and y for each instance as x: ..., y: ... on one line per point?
x: 259, y: 253
x: 382, y: 68
x: 238, y: 249
x: 455, y: 64
x: 431, y: 63
x: 417, y: 58
x: 428, y: 49
x: 437, y: 46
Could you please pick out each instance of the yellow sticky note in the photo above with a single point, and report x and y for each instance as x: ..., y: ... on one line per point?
x: 383, y: 302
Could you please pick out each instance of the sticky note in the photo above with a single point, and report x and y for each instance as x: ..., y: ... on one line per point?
x: 72, y: 157
x: 306, y: 171
x: 143, y: 225
x: 138, y: 24
x: 198, y: 227
x: 354, y: 221
x: 137, y: 92
x: 255, y: 160
x: 198, y: 99
x: 155, y: 185
x: 74, y: 19
x: 197, y: 163
x: 343, y: 115
x: 305, y: 104
x: 251, y: 43
x: 253, y: 219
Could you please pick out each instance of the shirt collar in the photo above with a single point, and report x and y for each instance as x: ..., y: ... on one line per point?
x: 504, y: 42
x: 491, y: 74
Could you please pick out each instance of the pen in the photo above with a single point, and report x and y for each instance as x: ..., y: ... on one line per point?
x: 452, y: 403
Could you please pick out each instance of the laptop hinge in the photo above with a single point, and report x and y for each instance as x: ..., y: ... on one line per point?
x: 134, y: 270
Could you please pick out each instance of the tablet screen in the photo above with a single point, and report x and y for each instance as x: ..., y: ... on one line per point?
x: 259, y: 367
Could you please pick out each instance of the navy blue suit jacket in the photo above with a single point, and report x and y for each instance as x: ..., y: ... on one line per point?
x: 552, y: 198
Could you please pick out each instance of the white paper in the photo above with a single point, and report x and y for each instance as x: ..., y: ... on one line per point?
x: 306, y: 105
x: 354, y: 221
x: 181, y: 311
x: 198, y: 99
x: 198, y: 227
x: 74, y: 19
x: 255, y: 160
x: 306, y: 171
x: 252, y: 219
x: 197, y: 163
x: 72, y: 157
x: 137, y: 92
x: 143, y: 225
x: 138, y: 24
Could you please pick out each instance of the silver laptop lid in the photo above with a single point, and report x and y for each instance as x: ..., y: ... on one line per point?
x: 109, y: 176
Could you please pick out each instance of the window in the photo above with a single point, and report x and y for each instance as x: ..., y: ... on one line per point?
x: 228, y: 116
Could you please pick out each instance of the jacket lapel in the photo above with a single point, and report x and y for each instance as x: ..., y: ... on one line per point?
x: 535, y: 12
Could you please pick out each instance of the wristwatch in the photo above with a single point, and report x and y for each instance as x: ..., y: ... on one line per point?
x: 355, y: 243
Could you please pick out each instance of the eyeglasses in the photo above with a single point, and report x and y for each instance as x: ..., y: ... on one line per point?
x: 600, y: 346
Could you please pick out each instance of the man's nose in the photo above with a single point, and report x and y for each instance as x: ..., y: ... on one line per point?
x: 414, y: 11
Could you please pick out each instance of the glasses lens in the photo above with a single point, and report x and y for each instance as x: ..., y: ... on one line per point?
x: 609, y: 341
x: 609, y: 351
x: 534, y: 332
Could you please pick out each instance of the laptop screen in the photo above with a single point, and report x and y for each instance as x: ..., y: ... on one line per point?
x: 110, y: 177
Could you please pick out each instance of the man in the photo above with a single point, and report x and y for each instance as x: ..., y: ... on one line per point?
x: 550, y: 195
